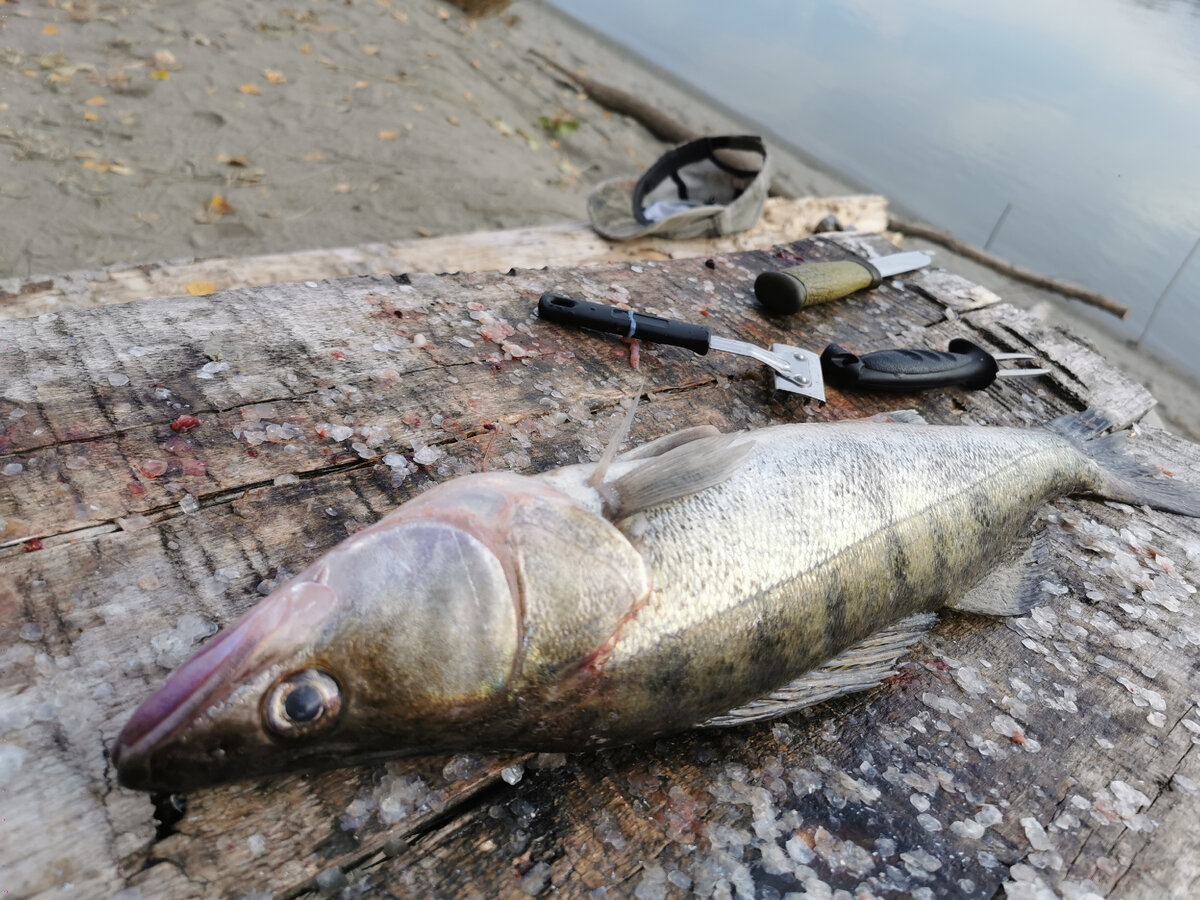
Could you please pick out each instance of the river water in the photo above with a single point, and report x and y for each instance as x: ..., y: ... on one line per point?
x: 1083, y: 115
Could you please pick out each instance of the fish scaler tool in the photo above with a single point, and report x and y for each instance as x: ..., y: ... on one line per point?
x: 796, y: 370
x: 789, y: 290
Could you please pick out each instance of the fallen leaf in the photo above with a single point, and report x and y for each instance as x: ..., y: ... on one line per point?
x: 218, y: 206
x: 558, y: 124
x: 200, y: 288
x: 361, y: 85
x: 91, y: 117
x: 424, y: 232
x: 315, y: 156
x: 160, y: 74
x: 239, y: 161
x: 403, y: 17
x: 388, y: 135
x: 50, y: 29
x: 371, y: 49
x: 96, y: 101
x: 105, y: 165
x: 341, y: 187
x: 452, y: 120
x: 250, y: 88
x: 275, y: 77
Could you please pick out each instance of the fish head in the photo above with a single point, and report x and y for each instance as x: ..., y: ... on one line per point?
x: 392, y: 644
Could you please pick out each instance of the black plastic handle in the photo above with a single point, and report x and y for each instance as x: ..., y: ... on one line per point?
x: 625, y: 322
x: 966, y: 364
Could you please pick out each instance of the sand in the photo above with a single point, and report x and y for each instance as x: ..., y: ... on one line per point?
x: 139, y: 132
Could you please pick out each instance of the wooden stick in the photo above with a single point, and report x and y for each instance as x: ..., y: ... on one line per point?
x: 661, y: 125
x: 1003, y: 266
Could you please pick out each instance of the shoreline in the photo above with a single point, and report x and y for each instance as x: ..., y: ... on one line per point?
x: 136, y: 137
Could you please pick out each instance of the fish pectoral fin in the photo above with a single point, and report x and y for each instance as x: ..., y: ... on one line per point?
x: 860, y: 668
x: 679, y: 472
x: 1012, y: 588
x: 661, y: 445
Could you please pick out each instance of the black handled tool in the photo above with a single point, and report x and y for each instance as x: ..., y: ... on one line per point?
x: 796, y: 370
x: 964, y: 363
x: 790, y: 290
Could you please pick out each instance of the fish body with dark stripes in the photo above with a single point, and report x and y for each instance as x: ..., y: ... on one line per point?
x: 703, y: 579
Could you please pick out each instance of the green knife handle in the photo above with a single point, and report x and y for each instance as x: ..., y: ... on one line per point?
x: 790, y: 290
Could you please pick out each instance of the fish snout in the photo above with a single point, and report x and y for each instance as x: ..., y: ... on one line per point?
x: 207, y: 711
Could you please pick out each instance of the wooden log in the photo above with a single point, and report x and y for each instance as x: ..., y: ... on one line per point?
x: 1054, y: 747
x: 572, y: 244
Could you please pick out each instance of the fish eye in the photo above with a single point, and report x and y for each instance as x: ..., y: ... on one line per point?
x: 303, y: 703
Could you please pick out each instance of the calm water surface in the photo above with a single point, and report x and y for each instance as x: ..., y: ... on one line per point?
x: 1083, y: 114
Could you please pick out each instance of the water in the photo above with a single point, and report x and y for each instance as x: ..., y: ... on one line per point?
x: 1083, y: 114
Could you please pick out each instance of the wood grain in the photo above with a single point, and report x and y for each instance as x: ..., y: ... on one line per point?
x: 887, y: 791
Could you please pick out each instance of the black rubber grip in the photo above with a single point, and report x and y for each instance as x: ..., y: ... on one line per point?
x: 965, y: 363
x: 625, y: 322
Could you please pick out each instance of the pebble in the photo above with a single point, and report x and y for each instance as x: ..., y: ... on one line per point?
x: 513, y: 774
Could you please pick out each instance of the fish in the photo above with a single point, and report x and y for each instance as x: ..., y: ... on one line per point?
x: 700, y: 580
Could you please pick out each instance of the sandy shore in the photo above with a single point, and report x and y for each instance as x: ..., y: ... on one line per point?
x: 136, y: 132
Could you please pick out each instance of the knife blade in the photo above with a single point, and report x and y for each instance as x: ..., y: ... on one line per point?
x: 789, y: 290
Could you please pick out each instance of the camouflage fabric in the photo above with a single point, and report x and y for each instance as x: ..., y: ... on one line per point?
x: 707, y: 197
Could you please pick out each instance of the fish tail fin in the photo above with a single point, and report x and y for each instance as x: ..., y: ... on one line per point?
x: 1121, y: 476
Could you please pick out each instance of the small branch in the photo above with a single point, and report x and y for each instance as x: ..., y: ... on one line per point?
x: 1003, y: 266
x: 661, y: 125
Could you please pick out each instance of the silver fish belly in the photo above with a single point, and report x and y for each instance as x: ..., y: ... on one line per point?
x: 566, y: 610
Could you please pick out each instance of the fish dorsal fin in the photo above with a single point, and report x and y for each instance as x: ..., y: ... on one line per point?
x: 1012, y: 588
x: 860, y: 668
x: 661, y: 445
x: 685, y: 469
x: 618, y: 438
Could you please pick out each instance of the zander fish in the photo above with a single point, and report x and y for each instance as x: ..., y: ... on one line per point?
x: 702, y: 579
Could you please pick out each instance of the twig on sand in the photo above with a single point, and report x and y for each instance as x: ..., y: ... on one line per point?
x: 661, y: 125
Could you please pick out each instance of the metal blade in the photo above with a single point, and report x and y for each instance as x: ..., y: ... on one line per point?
x: 796, y: 370
x: 1021, y: 373
x: 895, y: 263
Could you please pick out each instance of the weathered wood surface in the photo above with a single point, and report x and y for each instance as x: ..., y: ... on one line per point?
x: 572, y: 244
x: 1078, y: 720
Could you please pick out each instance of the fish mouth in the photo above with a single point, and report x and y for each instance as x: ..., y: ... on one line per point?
x: 154, y: 749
